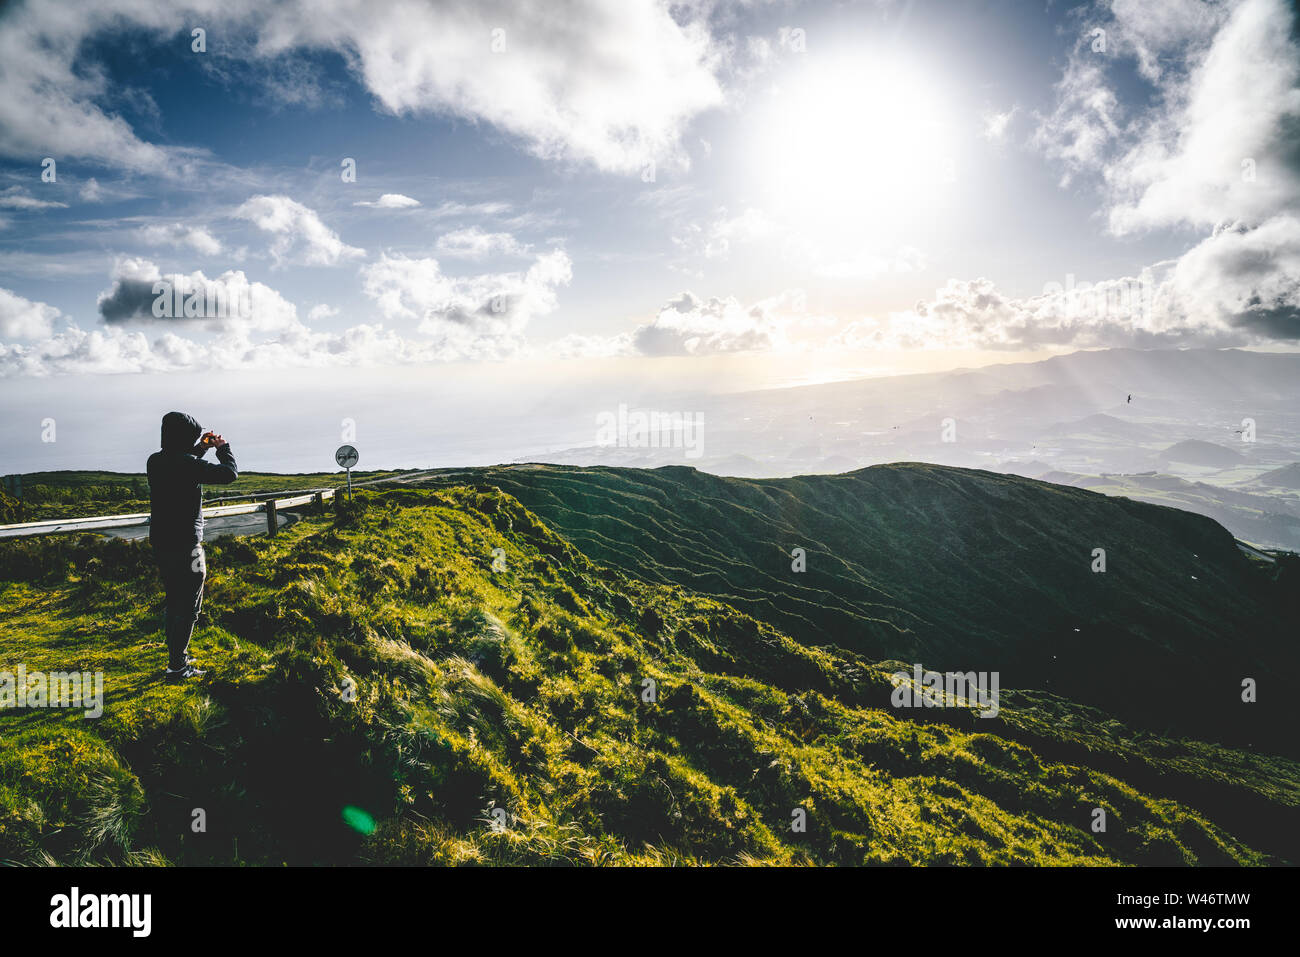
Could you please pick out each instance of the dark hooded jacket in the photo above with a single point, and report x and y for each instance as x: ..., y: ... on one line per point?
x: 177, y: 474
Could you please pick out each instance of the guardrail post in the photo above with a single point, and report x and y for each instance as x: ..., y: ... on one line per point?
x: 272, y: 521
x: 319, y: 501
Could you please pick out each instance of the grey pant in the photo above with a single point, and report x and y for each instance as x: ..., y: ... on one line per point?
x: 183, y: 571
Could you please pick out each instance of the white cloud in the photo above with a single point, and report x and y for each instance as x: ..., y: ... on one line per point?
x: 390, y: 201
x: 1243, y: 279
x: 689, y: 325
x: 115, y: 349
x: 48, y: 105
x: 1220, y: 140
x: 477, y: 317
x: 268, y: 336
x: 15, y: 197
x: 613, y: 85
x: 91, y: 191
x: 178, y: 234
x: 23, y: 319
x: 481, y: 314
x: 1227, y: 145
x: 78, y: 352
x: 1152, y: 32
x: 474, y: 243
x: 1081, y: 131
x: 1239, y: 287
x: 974, y: 314
x: 453, y: 209
x: 1217, y: 149
x: 996, y: 125
x: 300, y: 236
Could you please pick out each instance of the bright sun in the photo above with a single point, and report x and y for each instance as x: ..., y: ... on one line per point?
x: 864, y: 137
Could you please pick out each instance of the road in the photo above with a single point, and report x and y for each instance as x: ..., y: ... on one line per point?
x: 253, y: 523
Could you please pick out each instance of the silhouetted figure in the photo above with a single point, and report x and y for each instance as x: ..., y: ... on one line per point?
x: 1130, y: 399
x: 177, y: 475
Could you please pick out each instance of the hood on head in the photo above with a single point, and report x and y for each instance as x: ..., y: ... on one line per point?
x: 180, y: 432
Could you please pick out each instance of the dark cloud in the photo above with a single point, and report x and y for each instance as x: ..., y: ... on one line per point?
x: 1274, y: 320
x: 480, y: 317
x: 652, y: 340
x: 132, y: 298
x: 128, y: 300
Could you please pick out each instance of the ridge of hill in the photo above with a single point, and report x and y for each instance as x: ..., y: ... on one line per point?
x: 1288, y: 476
x: 1196, y: 452
x: 964, y: 569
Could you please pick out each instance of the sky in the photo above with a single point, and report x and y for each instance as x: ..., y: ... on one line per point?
x: 440, y: 205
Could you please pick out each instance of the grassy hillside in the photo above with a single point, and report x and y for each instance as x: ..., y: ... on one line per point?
x: 962, y: 569
x: 378, y: 689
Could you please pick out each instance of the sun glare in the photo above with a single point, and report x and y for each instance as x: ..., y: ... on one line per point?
x: 867, y: 137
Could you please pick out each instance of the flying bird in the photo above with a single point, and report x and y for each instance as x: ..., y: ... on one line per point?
x: 1130, y: 398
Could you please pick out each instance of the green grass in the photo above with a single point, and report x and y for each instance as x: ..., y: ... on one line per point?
x: 377, y: 690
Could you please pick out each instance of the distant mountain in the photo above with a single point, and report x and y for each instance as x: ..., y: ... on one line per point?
x: 739, y: 465
x: 1194, y: 452
x: 1071, y: 411
x: 1106, y: 426
x: 1063, y: 478
x: 1030, y: 469
x: 1288, y: 476
x: 1249, y: 511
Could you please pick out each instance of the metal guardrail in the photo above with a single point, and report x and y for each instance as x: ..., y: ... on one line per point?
x: 268, y: 503
x: 264, y: 495
x: 271, y: 506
